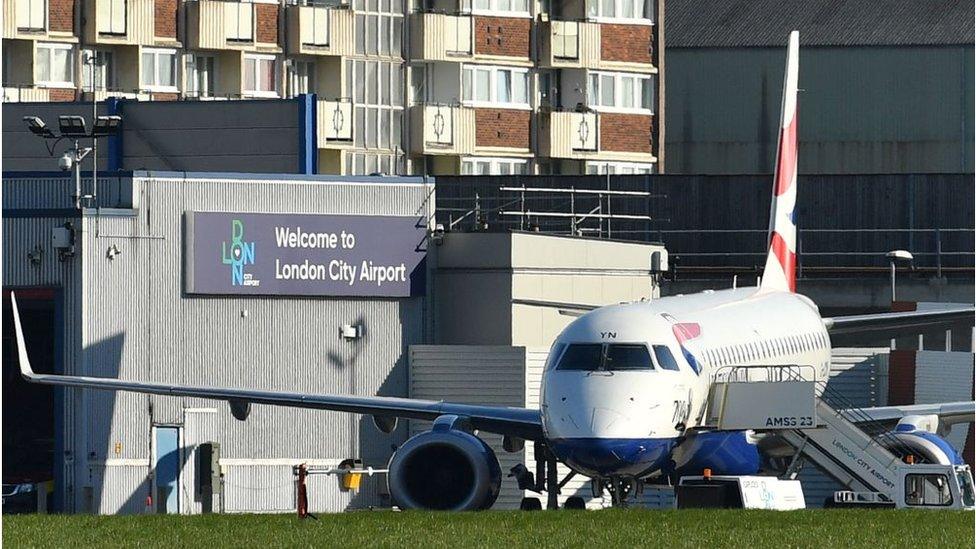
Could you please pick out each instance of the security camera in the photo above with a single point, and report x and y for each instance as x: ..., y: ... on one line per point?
x: 66, y: 162
x: 437, y: 235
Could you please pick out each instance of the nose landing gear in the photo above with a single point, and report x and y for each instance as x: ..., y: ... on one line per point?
x: 621, y: 489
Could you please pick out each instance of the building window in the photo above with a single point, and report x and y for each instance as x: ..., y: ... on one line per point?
x: 102, y: 71
x: 239, y: 21
x: 110, y: 15
x: 495, y: 86
x: 159, y: 70
x: 620, y: 92
x: 620, y: 9
x: 301, y: 77
x: 494, y: 166
x: 376, y: 89
x: 31, y: 15
x: 54, y: 65
x: 519, y: 7
x: 619, y: 168
x: 260, y: 78
x: 316, y: 31
x: 200, y: 75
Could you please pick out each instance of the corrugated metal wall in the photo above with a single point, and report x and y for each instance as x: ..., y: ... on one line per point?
x: 945, y: 377
x: 137, y: 324
x: 862, y: 110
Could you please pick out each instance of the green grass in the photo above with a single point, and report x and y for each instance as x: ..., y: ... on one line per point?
x: 503, y: 529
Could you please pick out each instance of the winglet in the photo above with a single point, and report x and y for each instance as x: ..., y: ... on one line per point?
x: 780, y: 272
x: 25, y: 367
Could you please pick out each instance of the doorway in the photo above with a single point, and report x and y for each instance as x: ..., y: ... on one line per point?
x: 168, y: 465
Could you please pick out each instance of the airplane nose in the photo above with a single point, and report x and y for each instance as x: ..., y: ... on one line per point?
x: 606, y: 456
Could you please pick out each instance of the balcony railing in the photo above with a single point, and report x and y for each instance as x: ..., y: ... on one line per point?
x: 442, y: 37
x: 443, y: 129
x: 120, y: 21
x: 571, y: 134
x: 315, y: 29
x: 334, y: 121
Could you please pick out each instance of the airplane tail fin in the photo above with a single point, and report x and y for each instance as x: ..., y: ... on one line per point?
x: 780, y: 272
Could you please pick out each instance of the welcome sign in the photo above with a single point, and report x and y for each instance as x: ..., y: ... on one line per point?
x: 228, y: 253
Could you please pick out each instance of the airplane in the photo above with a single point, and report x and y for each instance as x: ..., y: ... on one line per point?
x: 625, y: 386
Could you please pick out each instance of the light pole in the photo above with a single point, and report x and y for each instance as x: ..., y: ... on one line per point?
x: 73, y: 127
x: 895, y: 256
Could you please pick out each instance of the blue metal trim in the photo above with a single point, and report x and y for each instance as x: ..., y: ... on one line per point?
x: 307, y: 136
x: 323, y: 178
x: 114, y: 158
x: 41, y: 212
x: 614, y: 456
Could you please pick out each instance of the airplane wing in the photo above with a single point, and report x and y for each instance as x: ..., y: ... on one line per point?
x: 520, y: 422
x: 898, y: 323
x: 949, y: 413
x: 567, y: 309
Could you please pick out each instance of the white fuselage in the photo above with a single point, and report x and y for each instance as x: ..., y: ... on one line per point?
x: 604, y: 421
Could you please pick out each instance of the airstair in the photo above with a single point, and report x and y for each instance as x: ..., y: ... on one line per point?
x: 837, y: 437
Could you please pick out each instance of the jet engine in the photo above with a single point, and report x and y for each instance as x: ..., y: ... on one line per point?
x: 444, y: 469
x: 919, y: 436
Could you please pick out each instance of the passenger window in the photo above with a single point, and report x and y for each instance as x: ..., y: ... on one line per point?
x: 664, y: 358
x: 927, y: 490
x: 628, y: 357
x: 582, y: 356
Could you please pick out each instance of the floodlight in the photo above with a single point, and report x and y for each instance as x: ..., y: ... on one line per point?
x: 106, y: 125
x: 38, y: 127
x: 900, y: 255
x: 72, y: 126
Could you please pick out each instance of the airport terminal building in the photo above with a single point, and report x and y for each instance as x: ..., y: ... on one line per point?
x: 299, y: 283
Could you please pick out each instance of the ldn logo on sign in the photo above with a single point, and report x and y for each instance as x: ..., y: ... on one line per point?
x: 241, y: 254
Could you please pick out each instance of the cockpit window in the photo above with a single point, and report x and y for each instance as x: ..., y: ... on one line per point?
x: 628, y: 357
x: 582, y: 356
x: 664, y: 358
x: 607, y: 357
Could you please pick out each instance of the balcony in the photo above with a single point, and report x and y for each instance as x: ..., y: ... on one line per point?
x: 579, y: 44
x: 595, y: 136
x: 442, y: 37
x: 318, y: 30
x: 120, y: 22
x: 334, y: 123
x: 442, y: 129
x: 230, y: 25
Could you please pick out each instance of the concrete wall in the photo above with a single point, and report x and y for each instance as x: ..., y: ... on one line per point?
x: 477, y: 276
x: 132, y: 321
x: 861, y: 110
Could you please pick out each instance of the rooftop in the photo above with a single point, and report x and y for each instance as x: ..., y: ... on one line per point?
x: 766, y: 23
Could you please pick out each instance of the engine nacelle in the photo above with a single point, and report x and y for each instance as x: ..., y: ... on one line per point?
x: 444, y: 469
x: 925, y: 446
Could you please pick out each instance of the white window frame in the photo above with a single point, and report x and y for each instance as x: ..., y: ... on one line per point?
x: 31, y: 15
x: 71, y: 65
x: 594, y: 100
x: 494, y: 163
x: 274, y: 69
x: 600, y: 17
x: 493, y: 101
x: 233, y: 32
x: 192, y: 72
x: 497, y: 7
x: 157, y: 53
x: 601, y: 167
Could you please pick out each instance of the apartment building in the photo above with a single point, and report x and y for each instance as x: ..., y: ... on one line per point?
x: 400, y: 86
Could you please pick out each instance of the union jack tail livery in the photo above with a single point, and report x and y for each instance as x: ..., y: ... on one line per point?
x: 780, y: 272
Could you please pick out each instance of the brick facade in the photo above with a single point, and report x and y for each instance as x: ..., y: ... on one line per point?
x: 508, y: 36
x: 625, y: 132
x: 625, y: 43
x: 165, y: 18
x: 61, y: 94
x: 61, y: 15
x: 502, y: 128
x: 165, y: 96
x: 267, y: 23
